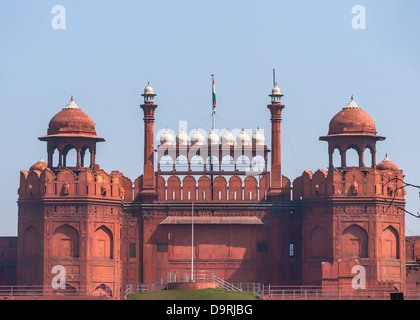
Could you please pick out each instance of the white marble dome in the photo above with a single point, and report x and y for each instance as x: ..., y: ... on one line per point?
x: 197, y: 138
x: 242, y: 139
x: 228, y: 139
x: 182, y: 138
x: 167, y: 139
x: 258, y: 138
x: 213, y: 138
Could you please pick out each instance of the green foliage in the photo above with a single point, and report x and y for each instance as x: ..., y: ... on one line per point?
x: 203, y: 294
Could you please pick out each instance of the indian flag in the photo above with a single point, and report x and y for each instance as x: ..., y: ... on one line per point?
x: 213, y: 94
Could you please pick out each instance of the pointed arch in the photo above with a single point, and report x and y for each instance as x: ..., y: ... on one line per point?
x: 103, y: 243
x: 354, y: 242
x: 103, y: 290
x: 250, y: 188
x: 65, y: 242
x: 204, y: 188
x: 390, y: 243
x: 188, y: 188
x: 174, y: 188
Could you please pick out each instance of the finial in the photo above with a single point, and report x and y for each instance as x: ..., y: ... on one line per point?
x: 352, y: 97
x: 71, y: 99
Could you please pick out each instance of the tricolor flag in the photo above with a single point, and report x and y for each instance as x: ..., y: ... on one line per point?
x: 213, y: 94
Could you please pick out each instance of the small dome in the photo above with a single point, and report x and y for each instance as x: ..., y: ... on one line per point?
x: 213, y: 138
x: 167, y: 139
x: 197, y: 138
x: 258, y: 138
x: 387, y: 164
x: 243, y: 138
x: 41, y: 165
x: 228, y: 139
x: 352, y: 120
x: 182, y: 138
x: 71, y: 120
x: 276, y: 90
x: 148, y: 89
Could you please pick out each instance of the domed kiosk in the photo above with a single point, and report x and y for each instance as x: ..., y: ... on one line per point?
x: 352, y: 128
x: 71, y: 128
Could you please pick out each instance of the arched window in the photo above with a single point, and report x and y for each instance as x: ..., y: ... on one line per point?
x: 65, y: 242
x: 103, y: 240
x: 69, y: 156
x: 336, y: 158
x: 166, y: 163
x: 102, y: 290
x: 354, y: 242
x: 352, y: 157
x: 390, y: 243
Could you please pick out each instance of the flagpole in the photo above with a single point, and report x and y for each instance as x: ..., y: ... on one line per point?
x: 213, y: 109
x: 192, y: 242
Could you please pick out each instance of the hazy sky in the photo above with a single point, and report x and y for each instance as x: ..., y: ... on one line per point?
x: 109, y: 50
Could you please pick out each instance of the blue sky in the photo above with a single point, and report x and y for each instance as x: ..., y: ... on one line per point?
x: 110, y: 50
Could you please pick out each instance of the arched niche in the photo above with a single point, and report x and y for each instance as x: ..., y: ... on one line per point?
x: 102, y: 290
x: 390, y: 243
x: 235, y: 188
x: 65, y: 242
x: 354, y: 242
x: 189, y: 188
x: 103, y: 243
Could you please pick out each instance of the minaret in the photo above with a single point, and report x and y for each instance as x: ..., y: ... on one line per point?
x: 148, y: 189
x: 275, y: 108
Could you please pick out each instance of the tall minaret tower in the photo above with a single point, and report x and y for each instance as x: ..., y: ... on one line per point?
x: 275, y: 108
x: 148, y: 189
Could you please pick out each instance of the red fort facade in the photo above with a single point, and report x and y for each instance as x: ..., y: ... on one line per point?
x: 251, y: 223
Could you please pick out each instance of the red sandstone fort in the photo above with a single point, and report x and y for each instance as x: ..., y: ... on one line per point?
x: 251, y: 223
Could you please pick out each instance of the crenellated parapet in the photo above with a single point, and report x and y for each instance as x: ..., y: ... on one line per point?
x: 35, y: 184
x: 348, y: 183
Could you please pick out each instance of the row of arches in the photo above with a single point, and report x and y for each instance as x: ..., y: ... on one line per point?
x: 352, y: 156
x: 66, y: 243
x: 101, y: 290
x: 212, y: 163
x: 220, y: 189
x: 71, y: 155
x: 354, y: 243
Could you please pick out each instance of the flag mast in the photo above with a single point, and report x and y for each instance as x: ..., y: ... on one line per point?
x: 213, y: 95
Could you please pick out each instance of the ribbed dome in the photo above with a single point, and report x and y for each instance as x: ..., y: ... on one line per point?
x: 228, y: 139
x: 182, y: 138
x: 352, y: 120
x: 213, y: 138
x: 41, y: 165
x: 387, y: 164
x: 243, y: 138
x: 197, y: 138
x: 276, y: 90
x: 71, y: 120
x: 258, y: 138
x: 166, y: 139
x: 148, y: 89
